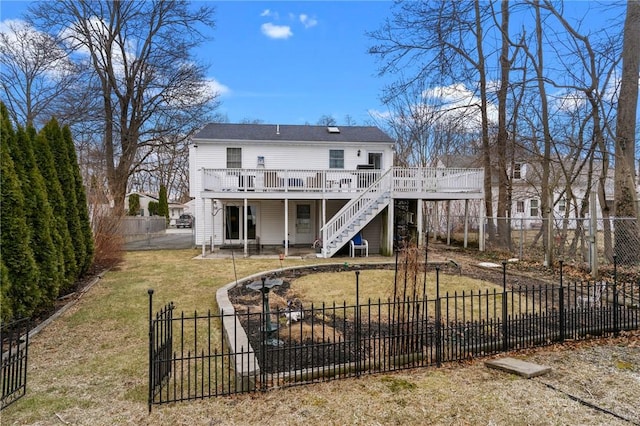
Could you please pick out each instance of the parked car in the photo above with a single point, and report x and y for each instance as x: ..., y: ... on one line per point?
x: 184, y: 221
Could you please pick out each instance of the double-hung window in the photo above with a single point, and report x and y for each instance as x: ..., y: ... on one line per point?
x: 534, y: 208
x: 336, y: 159
x: 234, y: 158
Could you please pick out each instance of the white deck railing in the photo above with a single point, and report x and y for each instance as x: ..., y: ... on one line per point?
x: 404, y: 179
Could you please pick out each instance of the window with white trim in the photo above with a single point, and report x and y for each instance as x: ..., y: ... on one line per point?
x: 336, y: 159
x: 519, y: 206
x: 533, y: 204
x: 517, y: 171
x: 562, y: 204
x: 234, y: 158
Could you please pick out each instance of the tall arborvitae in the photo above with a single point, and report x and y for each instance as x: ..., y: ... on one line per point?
x: 67, y: 183
x: 39, y: 217
x: 47, y: 166
x: 163, y: 203
x: 134, y: 204
x: 81, y: 200
x: 5, y: 301
x: 22, y: 272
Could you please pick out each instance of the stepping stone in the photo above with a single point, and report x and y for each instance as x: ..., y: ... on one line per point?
x: 519, y: 367
x: 489, y: 265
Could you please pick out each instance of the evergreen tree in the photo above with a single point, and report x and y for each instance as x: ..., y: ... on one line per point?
x: 163, y: 203
x: 39, y: 216
x: 134, y: 204
x: 5, y: 301
x: 23, y: 295
x: 81, y: 201
x: 58, y: 148
x: 153, y: 208
x: 47, y: 166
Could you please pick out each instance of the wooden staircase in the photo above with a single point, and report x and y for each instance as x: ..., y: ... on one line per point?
x: 356, y: 214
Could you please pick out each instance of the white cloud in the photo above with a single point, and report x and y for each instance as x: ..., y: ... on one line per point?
x: 216, y: 87
x: 270, y: 14
x: 457, y: 102
x: 308, y: 22
x: 276, y: 31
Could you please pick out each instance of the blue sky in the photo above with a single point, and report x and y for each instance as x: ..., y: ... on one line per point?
x: 289, y: 62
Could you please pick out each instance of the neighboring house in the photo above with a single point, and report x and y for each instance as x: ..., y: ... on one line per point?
x: 526, y: 206
x: 175, y: 210
x: 283, y: 185
x: 144, y: 202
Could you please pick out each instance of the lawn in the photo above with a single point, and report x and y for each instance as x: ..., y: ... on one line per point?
x: 90, y: 367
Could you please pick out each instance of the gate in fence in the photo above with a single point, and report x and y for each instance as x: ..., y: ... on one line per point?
x: 15, y: 350
x: 194, y: 356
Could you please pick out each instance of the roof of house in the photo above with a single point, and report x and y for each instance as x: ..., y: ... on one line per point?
x: 292, y: 133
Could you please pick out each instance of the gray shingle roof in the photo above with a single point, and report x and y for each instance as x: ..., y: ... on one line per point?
x: 294, y: 133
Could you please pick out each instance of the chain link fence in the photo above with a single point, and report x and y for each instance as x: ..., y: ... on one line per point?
x: 574, y: 240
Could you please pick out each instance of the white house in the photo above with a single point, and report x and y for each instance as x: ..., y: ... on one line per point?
x: 261, y: 185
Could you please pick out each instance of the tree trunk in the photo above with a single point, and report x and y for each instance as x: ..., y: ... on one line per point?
x: 627, y: 236
x: 486, y: 149
x: 504, y: 234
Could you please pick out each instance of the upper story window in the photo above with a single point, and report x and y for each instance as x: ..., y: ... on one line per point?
x: 562, y: 204
x: 517, y: 171
x: 534, y: 208
x: 234, y: 158
x: 519, y: 206
x: 336, y: 159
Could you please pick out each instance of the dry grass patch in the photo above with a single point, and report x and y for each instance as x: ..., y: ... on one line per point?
x: 89, y: 367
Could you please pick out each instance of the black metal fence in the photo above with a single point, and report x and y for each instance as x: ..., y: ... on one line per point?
x: 15, y: 354
x: 198, y: 356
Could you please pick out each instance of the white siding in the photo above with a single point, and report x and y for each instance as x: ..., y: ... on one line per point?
x: 289, y: 156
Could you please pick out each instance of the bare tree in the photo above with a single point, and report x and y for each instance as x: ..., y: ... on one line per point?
x: 140, y: 55
x: 443, y: 39
x: 326, y: 120
x: 35, y: 73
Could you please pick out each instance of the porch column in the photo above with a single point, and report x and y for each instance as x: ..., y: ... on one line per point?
x: 466, y: 222
x: 213, y: 224
x: 391, y: 229
x: 244, y: 227
x: 324, y: 222
x: 481, y: 227
x: 448, y: 222
x: 204, y: 227
x: 419, y: 222
x: 286, y: 227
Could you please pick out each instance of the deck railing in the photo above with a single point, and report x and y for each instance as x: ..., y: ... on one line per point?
x: 411, y: 179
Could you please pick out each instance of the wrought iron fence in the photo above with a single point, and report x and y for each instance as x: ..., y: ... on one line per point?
x: 15, y: 355
x: 195, y: 356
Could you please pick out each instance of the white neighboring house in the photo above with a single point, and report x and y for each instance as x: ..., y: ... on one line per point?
x: 175, y: 209
x: 285, y: 185
x: 526, y: 199
x: 144, y: 202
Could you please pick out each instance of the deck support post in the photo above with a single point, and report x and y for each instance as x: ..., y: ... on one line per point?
x: 481, y: 221
x: 391, y: 231
x: 244, y: 228
x: 419, y: 221
x: 324, y: 222
x: 286, y: 227
x: 204, y: 227
x: 466, y: 222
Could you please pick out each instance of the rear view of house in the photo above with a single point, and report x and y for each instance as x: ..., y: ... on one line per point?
x: 258, y: 185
